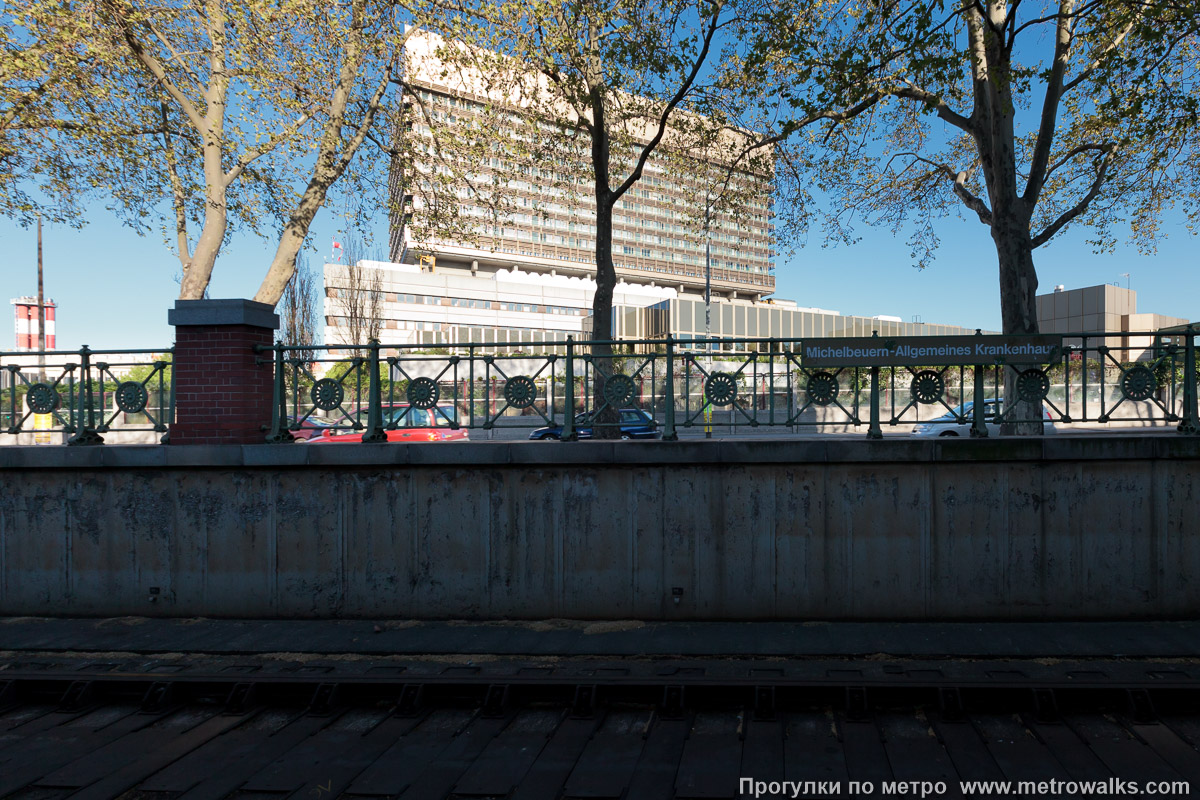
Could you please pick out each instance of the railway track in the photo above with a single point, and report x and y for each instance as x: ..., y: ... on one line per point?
x: 163, y: 726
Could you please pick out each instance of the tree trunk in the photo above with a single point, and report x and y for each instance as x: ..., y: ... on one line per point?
x: 604, y: 426
x: 606, y: 280
x: 1018, y: 278
x: 1018, y: 312
x: 199, y: 269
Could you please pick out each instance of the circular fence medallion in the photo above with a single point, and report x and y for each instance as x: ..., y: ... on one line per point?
x: 131, y: 397
x: 42, y: 399
x: 1138, y: 383
x: 327, y: 394
x: 423, y: 393
x: 720, y: 388
x: 927, y: 387
x: 822, y: 388
x: 1033, y: 385
x: 520, y: 391
x: 618, y: 390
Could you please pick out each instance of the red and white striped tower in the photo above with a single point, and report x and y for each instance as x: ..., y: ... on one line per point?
x: 26, y: 312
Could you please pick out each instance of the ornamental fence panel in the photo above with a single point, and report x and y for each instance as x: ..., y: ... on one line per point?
x: 668, y: 388
x: 691, y: 386
x: 86, y: 396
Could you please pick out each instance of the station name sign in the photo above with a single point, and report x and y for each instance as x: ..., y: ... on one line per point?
x: 930, y: 351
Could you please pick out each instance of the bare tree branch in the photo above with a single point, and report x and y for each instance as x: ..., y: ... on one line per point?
x: 1074, y: 151
x: 1078, y: 208
x: 932, y: 100
x: 155, y: 68
x: 710, y: 31
x: 1107, y: 51
x: 1064, y: 33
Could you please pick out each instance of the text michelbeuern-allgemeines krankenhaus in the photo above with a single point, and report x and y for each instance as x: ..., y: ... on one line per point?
x: 938, y: 351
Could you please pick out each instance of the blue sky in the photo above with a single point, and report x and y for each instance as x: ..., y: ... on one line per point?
x: 113, y: 287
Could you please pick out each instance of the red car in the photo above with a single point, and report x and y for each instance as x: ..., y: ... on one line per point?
x: 307, y: 429
x: 412, y: 425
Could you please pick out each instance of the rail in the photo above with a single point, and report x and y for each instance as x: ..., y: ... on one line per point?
x: 650, y: 388
x: 686, y: 386
x: 80, y: 396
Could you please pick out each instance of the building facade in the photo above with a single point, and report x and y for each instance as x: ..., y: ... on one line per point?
x: 552, y: 228
x: 683, y: 317
x: 1103, y: 309
x: 435, y: 306
x: 528, y: 278
x: 526, y: 311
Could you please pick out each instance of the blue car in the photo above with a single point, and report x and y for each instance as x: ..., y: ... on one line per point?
x: 635, y: 424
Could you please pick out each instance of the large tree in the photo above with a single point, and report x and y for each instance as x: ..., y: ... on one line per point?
x: 52, y: 61
x: 1031, y: 117
x: 588, y: 93
x: 224, y: 114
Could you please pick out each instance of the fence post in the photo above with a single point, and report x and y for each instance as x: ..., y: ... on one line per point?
x: 1083, y: 378
x: 166, y: 437
x: 669, y: 433
x: 978, y: 426
x: 87, y: 412
x: 374, y: 432
x: 223, y: 386
x: 873, y: 430
x: 279, y: 433
x: 1191, y: 413
x: 471, y: 385
x: 13, y: 371
x: 568, y: 428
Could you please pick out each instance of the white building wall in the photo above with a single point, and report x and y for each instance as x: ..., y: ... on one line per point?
x: 449, y: 302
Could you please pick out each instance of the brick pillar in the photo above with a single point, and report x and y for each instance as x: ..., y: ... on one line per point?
x: 222, y: 395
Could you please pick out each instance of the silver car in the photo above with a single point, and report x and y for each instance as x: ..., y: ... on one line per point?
x: 948, y: 424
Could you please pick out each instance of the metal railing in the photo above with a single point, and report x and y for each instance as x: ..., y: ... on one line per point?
x: 678, y: 386
x: 695, y: 386
x: 77, y: 397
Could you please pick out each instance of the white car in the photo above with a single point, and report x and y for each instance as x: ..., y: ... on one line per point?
x: 948, y: 424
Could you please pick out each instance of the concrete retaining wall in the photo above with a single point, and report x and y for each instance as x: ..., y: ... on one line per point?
x: 1066, y: 527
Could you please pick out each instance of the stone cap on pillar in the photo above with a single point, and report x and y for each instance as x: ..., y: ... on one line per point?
x: 223, y: 312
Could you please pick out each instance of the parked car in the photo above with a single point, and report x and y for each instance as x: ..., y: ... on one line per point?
x: 635, y: 424
x: 308, y: 429
x: 948, y: 424
x: 412, y: 425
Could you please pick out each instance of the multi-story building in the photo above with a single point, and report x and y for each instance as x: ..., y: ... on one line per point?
x: 534, y: 270
x: 772, y: 319
x: 438, y: 306
x: 529, y: 277
x: 552, y: 228
x: 1103, y: 309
